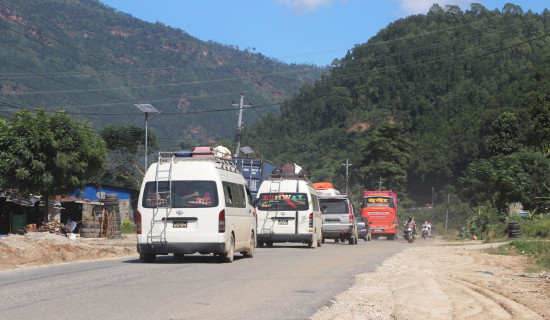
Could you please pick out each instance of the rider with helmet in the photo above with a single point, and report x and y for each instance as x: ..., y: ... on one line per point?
x: 410, y: 223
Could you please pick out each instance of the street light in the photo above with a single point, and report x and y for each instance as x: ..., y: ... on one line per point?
x: 147, y: 108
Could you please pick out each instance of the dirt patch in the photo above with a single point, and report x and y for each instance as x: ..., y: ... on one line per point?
x: 445, y: 281
x: 43, y: 248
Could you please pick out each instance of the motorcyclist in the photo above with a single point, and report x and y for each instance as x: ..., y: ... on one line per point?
x: 428, y: 227
x: 410, y: 223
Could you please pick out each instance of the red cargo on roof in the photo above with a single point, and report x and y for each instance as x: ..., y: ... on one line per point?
x: 322, y: 185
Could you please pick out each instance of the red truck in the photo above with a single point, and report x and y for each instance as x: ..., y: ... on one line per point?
x: 380, y: 209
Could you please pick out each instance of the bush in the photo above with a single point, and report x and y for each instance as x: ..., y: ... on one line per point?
x: 536, y: 228
x: 128, y: 227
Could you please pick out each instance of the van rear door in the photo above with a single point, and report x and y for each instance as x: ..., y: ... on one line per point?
x: 284, y: 210
x: 183, y: 211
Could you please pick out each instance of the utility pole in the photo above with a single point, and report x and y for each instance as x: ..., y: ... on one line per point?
x: 380, y: 183
x: 347, y: 165
x: 447, y: 214
x: 240, y: 123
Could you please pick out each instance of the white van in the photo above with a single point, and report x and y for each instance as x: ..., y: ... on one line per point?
x: 195, y: 203
x: 288, y: 209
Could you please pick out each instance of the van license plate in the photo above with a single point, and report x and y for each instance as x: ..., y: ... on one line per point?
x: 283, y: 222
x: 179, y: 224
x: 378, y: 230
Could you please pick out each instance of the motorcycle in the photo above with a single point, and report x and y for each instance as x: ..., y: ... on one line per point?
x: 425, y: 233
x: 409, y: 235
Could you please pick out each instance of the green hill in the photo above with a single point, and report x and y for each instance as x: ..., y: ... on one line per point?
x: 444, y: 77
x: 96, y: 62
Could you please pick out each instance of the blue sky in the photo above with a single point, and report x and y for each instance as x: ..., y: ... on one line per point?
x: 292, y: 31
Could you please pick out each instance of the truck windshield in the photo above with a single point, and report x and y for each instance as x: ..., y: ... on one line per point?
x: 180, y: 194
x: 334, y: 206
x: 283, y: 201
x: 387, y: 202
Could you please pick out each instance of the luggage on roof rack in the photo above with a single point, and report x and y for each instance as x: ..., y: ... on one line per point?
x: 323, y: 185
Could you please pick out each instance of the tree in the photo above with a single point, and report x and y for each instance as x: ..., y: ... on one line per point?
x: 125, y: 145
x: 505, y: 179
x: 386, y: 155
x: 49, y: 154
x: 540, y: 126
x: 504, y: 138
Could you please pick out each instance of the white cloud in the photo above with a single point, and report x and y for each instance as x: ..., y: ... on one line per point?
x: 423, y: 6
x: 302, y: 6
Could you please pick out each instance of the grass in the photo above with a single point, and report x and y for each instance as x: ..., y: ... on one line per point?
x: 538, y: 249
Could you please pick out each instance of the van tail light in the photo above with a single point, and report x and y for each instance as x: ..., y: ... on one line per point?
x: 351, y: 218
x: 138, y: 223
x: 311, y: 220
x: 221, y: 222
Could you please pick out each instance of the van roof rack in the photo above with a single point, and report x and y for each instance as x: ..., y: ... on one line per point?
x: 176, y: 156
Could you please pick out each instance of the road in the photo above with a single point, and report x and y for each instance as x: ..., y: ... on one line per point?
x: 283, y: 282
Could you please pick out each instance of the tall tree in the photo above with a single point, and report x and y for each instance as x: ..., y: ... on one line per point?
x: 386, y: 156
x: 49, y: 154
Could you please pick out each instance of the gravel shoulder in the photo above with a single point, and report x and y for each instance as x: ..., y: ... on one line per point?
x: 445, y: 280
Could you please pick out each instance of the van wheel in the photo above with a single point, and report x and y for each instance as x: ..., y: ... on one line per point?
x: 148, y: 257
x: 231, y: 251
x: 250, y: 252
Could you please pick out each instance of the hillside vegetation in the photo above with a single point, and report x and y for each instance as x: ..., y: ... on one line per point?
x: 448, y: 106
x: 96, y: 62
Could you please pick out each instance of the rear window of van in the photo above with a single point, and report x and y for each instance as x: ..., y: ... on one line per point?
x: 180, y: 194
x: 284, y: 201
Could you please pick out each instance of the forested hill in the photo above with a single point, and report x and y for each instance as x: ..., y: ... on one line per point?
x: 96, y: 62
x: 442, y: 78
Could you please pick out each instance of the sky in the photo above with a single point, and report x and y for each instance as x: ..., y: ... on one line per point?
x: 292, y: 31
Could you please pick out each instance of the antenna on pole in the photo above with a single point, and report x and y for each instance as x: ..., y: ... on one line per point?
x: 241, y: 105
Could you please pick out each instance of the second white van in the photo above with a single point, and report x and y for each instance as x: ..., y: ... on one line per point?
x: 288, y: 209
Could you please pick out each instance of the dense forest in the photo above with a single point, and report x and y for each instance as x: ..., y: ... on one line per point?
x: 450, y: 105
x: 95, y: 62
x: 450, y: 109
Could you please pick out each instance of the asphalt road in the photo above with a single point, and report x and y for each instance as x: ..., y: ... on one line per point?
x: 286, y: 281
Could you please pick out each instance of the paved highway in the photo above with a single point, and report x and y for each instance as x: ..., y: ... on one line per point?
x: 286, y: 281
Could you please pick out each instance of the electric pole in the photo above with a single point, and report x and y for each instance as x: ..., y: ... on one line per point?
x: 240, y: 123
x: 347, y: 165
